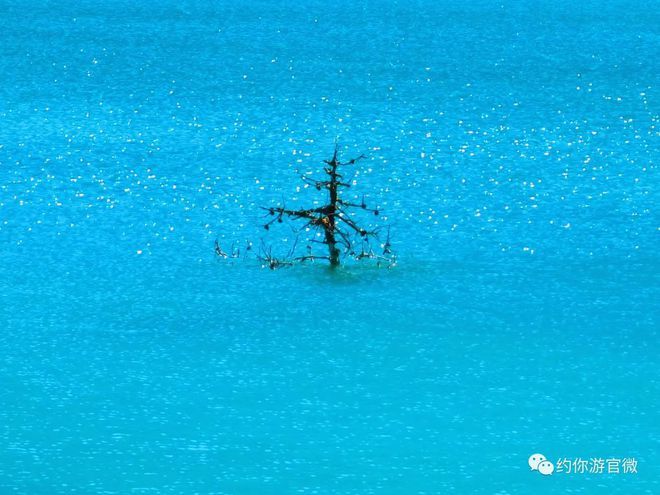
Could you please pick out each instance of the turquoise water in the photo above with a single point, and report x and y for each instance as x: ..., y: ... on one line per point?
x: 512, y: 148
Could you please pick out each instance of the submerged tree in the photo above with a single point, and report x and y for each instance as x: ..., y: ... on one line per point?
x: 340, y: 233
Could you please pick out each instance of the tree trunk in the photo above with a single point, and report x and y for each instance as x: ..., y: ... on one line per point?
x: 330, y: 225
x: 332, y: 244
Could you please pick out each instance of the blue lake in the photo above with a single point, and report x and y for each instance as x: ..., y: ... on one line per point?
x: 512, y: 149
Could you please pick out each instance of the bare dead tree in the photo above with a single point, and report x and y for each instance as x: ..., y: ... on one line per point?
x: 340, y: 232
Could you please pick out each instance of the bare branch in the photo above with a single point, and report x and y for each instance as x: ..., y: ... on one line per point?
x: 218, y: 250
x: 347, y: 220
x: 354, y: 160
